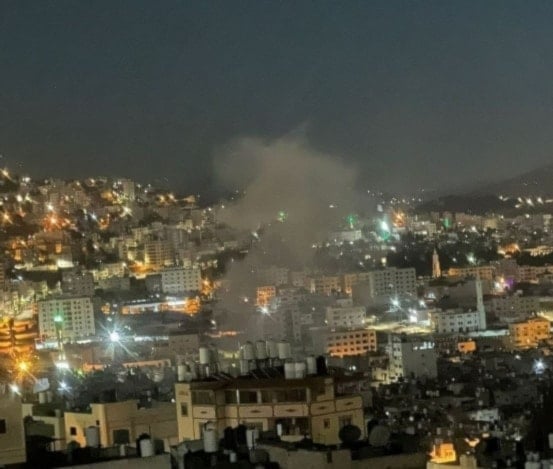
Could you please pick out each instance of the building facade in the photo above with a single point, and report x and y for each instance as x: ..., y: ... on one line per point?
x: 308, y: 406
x: 72, y: 317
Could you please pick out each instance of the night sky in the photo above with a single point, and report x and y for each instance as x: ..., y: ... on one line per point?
x: 411, y: 93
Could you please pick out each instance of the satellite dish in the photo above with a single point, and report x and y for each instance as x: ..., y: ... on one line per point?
x: 349, y: 434
x: 379, y: 436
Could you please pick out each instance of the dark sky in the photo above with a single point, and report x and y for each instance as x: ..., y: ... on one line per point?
x: 413, y: 93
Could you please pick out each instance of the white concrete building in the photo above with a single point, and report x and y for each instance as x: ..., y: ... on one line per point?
x: 410, y: 357
x: 176, y: 280
x: 344, y: 315
x: 514, y: 307
x: 393, y: 281
x: 75, y: 316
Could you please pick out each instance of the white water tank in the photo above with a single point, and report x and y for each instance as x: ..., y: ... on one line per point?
x: 279, y: 429
x: 300, y: 370
x: 284, y: 350
x: 92, y: 436
x: 181, y: 372
x: 251, y: 437
x: 244, y: 367
x: 42, y: 397
x: 289, y: 370
x: 311, y: 362
x: 211, y: 443
x: 233, y: 457
x: 272, y: 349
x: 205, y: 356
x: 248, y: 351
x: 261, y: 350
x: 146, y: 448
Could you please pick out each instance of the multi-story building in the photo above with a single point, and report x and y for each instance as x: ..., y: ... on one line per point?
x: 456, y: 321
x: 344, y: 315
x: 513, y: 307
x: 183, y: 345
x: 176, y: 280
x: 393, y: 281
x: 485, y: 272
x: 352, y: 279
x: 285, y: 320
x: 123, y: 422
x: 411, y: 357
x: 343, y: 343
x: 12, y: 433
x: 308, y: 405
x: 529, y: 333
x: 71, y: 317
x: 77, y: 283
x: 532, y: 273
x: 158, y: 253
x: 265, y: 294
x: 273, y: 276
x: 324, y: 284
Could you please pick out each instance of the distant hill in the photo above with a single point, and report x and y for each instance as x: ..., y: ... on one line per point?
x: 525, y: 193
x: 538, y: 182
x: 470, y: 203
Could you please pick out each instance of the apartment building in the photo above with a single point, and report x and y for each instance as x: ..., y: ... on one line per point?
x: 308, y: 405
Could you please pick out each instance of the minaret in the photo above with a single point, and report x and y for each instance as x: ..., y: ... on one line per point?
x: 436, y: 269
x: 480, y: 305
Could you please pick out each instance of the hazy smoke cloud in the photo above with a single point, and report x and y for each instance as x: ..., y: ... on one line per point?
x: 285, y: 178
x: 293, y: 196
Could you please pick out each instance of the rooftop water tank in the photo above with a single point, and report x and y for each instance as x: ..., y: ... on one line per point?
x: 205, y: 356
x: 211, y: 443
x: 261, y: 350
x: 311, y: 362
x: 272, y: 349
x: 289, y: 370
x: 248, y: 351
x: 284, y: 350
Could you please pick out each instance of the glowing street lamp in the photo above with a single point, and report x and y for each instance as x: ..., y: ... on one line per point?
x: 114, y: 336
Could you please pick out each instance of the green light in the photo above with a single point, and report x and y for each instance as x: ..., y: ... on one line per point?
x: 58, y: 318
x: 351, y: 220
x: 447, y: 223
x: 282, y: 216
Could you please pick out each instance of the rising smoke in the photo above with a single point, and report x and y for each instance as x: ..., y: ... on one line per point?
x: 292, y: 197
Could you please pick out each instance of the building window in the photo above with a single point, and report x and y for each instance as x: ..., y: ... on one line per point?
x: 326, y: 424
x: 121, y: 436
x: 202, y: 398
x: 248, y: 397
x: 184, y: 409
x: 230, y: 397
x: 2, y: 426
x: 73, y: 431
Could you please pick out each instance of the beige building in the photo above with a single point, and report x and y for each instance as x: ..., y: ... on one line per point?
x: 324, y: 285
x: 73, y: 315
x: 302, y: 406
x: 12, y: 434
x: 343, y: 343
x: 123, y: 422
x: 265, y: 294
x: 529, y: 333
x: 47, y: 421
x: 485, y: 272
